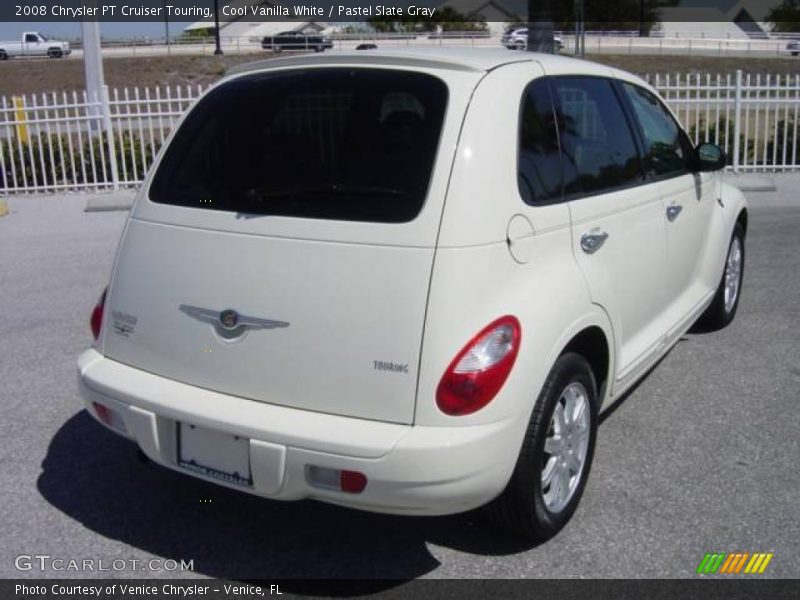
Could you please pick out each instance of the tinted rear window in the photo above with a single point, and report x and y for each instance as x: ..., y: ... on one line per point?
x: 344, y: 144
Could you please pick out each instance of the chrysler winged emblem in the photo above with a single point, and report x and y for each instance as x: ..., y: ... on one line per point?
x: 228, y: 323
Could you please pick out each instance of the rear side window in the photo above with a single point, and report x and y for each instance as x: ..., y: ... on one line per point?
x: 342, y: 144
x: 599, y: 152
x: 539, y: 159
x: 667, y: 150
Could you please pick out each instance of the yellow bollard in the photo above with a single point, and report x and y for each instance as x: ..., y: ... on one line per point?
x: 21, y: 119
x: 3, y: 208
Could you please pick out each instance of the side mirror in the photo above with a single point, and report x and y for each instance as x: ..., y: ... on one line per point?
x: 710, y: 157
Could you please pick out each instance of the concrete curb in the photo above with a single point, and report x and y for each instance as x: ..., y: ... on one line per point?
x: 120, y: 200
x: 751, y: 183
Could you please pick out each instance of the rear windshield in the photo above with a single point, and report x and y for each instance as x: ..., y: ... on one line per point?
x: 344, y: 144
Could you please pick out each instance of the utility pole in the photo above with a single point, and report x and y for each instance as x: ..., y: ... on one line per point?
x: 96, y: 94
x: 93, y: 65
x: 166, y: 28
x: 580, y: 28
x: 218, y: 51
x: 540, y: 26
x: 642, y: 30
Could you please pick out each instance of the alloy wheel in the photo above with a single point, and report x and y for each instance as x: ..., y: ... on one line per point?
x: 565, y: 447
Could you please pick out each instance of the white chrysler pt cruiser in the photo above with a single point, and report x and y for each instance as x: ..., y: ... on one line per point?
x: 407, y: 281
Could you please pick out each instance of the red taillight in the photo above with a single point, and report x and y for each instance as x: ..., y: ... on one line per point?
x: 352, y: 482
x: 481, y: 368
x: 96, y: 322
x: 110, y: 417
x: 103, y: 412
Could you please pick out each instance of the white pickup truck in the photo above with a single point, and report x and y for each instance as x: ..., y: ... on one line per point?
x: 34, y: 43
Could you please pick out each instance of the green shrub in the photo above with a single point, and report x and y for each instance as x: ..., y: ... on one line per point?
x: 88, y: 163
x: 786, y: 134
x: 725, y: 129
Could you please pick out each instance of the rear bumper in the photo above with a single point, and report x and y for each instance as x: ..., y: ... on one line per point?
x: 410, y: 469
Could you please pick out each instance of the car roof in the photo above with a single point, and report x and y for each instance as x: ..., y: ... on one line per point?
x: 460, y: 59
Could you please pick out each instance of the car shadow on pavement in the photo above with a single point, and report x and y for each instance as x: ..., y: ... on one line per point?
x: 620, y: 400
x: 95, y: 477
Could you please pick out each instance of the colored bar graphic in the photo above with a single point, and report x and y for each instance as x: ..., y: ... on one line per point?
x: 753, y: 564
x: 730, y: 561
x: 734, y: 562
x: 701, y: 568
x: 711, y: 562
x: 742, y: 562
x: 764, y: 564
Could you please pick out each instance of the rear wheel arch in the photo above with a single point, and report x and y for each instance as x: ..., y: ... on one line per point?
x: 741, y: 219
x: 593, y: 345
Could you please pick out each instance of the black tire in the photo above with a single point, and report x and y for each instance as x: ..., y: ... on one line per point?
x: 3, y: 55
x: 521, y: 508
x: 55, y: 53
x: 142, y: 457
x: 717, y: 316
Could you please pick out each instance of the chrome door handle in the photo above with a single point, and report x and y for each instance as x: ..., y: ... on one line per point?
x: 673, y: 210
x: 593, y: 240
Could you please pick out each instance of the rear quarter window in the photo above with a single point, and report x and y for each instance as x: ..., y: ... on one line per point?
x: 539, y: 155
x: 338, y: 143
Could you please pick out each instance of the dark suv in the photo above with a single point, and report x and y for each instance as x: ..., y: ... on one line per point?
x: 296, y: 40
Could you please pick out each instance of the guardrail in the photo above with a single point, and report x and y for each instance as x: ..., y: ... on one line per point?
x: 69, y: 142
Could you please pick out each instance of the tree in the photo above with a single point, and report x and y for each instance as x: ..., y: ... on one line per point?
x: 446, y: 18
x: 452, y: 20
x: 611, y: 15
x: 540, y: 26
x: 785, y: 17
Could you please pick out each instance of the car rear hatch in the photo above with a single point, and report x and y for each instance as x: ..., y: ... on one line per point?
x: 282, y: 251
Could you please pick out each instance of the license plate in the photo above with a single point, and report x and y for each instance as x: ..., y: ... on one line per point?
x: 214, y: 454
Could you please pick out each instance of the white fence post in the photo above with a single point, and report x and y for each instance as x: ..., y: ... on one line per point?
x: 737, y: 119
x: 112, y: 150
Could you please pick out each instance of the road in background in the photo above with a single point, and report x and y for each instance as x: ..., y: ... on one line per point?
x: 600, y: 44
x: 700, y: 457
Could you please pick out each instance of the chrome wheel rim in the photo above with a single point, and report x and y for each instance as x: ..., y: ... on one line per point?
x: 733, y: 274
x: 565, y: 447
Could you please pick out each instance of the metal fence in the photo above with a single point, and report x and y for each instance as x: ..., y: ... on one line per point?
x: 753, y: 117
x: 69, y: 142
x: 62, y: 142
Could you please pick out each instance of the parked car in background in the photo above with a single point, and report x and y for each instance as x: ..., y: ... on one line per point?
x: 296, y: 40
x: 793, y: 47
x: 34, y: 43
x: 407, y: 281
x: 517, y: 39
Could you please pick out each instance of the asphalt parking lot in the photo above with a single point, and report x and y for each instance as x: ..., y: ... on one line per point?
x: 700, y: 457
